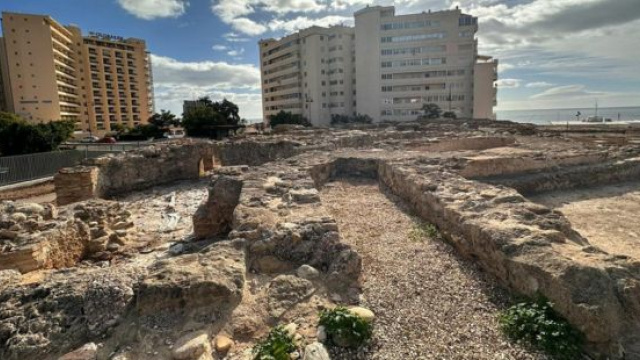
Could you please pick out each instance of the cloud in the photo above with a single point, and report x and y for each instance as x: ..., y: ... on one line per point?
x: 235, y: 52
x: 303, y: 22
x: 176, y: 81
x: 234, y: 37
x: 236, y: 12
x: 219, y: 47
x: 247, y: 26
x: 539, y: 84
x: 508, y: 83
x: 568, y: 91
x: 152, y: 9
x: 216, y: 75
x: 172, y: 97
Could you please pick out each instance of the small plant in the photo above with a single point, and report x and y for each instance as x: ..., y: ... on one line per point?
x: 345, y: 328
x: 277, y: 346
x: 422, y: 231
x: 537, y: 324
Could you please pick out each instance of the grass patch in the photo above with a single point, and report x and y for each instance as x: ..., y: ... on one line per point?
x: 277, y: 346
x: 535, y: 323
x: 345, y: 328
x: 422, y: 231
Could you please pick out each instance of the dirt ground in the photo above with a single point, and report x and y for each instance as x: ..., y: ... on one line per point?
x: 607, y: 216
x: 429, y: 303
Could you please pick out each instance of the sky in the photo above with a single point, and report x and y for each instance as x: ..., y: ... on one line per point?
x: 552, y: 53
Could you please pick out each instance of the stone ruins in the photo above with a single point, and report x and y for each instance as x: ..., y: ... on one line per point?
x: 122, y: 262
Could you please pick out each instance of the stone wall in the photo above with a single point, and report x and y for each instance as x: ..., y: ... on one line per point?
x: 532, y: 250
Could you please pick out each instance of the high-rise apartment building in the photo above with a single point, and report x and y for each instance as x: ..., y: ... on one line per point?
x: 387, y: 66
x: 51, y: 72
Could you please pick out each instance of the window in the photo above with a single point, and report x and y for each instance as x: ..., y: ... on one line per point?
x: 408, y: 38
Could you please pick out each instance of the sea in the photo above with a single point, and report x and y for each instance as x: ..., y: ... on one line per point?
x: 546, y: 116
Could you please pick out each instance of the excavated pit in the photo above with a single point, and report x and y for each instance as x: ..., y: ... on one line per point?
x: 606, y: 215
x: 431, y: 303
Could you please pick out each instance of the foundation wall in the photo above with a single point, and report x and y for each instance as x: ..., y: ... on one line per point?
x: 532, y: 250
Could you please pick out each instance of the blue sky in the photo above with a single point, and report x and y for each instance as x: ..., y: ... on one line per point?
x: 553, y: 53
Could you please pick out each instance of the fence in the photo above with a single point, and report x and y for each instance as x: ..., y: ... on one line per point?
x: 14, y: 169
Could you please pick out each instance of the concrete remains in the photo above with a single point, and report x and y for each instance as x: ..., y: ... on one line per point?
x: 262, y: 222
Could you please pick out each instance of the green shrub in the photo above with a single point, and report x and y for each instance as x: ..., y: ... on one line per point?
x: 537, y: 324
x: 277, y: 346
x: 345, y: 328
x: 423, y: 231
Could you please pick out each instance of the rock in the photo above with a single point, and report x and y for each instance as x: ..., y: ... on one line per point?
x: 291, y: 329
x: 18, y: 217
x: 321, y: 334
x: 122, y: 225
x: 98, y: 245
x: 86, y: 352
x: 213, y: 278
x: 316, y: 351
x: 304, y: 196
x: 113, y: 247
x: 223, y: 344
x: 307, y: 272
x: 365, y: 314
x: 270, y: 264
x: 192, y: 346
x: 176, y: 249
x: 30, y: 208
x: 50, y: 212
x: 8, y: 234
x: 285, y: 291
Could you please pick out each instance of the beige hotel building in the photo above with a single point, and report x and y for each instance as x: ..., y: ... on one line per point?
x: 387, y: 67
x: 52, y: 72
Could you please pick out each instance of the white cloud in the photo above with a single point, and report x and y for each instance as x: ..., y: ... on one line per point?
x: 302, y: 22
x: 569, y: 91
x: 539, y: 84
x: 151, y: 9
x: 247, y: 26
x: 219, y: 47
x: 234, y: 37
x: 176, y: 81
x: 235, y: 52
x: 508, y: 83
x: 216, y: 75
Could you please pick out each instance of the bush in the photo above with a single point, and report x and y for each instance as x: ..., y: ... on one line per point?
x: 17, y: 136
x: 537, y: 324
x: 284, y: 117
x: 431, y: 111
x: 345, y: 328
x: 277, y: 346
x: 449, y: 115
x: 346, y: 119
x: 423, y: 231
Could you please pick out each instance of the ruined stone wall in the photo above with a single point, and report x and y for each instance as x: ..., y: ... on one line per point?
x: 161, y: 164
x: 532, y: 250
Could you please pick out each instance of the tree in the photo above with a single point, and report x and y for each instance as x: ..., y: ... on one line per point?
x: 449, y: 115
x: 164, y: 120
x: 19, y: 137
x: 431, y: 111
x: 284, y: 117
x: 208, y: 116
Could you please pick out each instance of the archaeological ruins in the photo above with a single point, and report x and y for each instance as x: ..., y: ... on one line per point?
x: 194, y: 249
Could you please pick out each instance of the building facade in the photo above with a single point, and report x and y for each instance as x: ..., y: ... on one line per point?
x: 52, y: 72
x: 387, y: 67
x: 311, y: 73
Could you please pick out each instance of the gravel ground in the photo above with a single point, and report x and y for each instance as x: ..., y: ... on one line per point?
x: 429, y: 303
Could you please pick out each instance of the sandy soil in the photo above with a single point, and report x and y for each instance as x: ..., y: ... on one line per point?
x: 430, y: 304
x: 607, y: 216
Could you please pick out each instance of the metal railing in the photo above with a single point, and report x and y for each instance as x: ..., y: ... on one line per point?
x: 19, y: 168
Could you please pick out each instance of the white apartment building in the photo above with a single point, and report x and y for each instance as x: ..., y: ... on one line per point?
x: 386, y: 67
